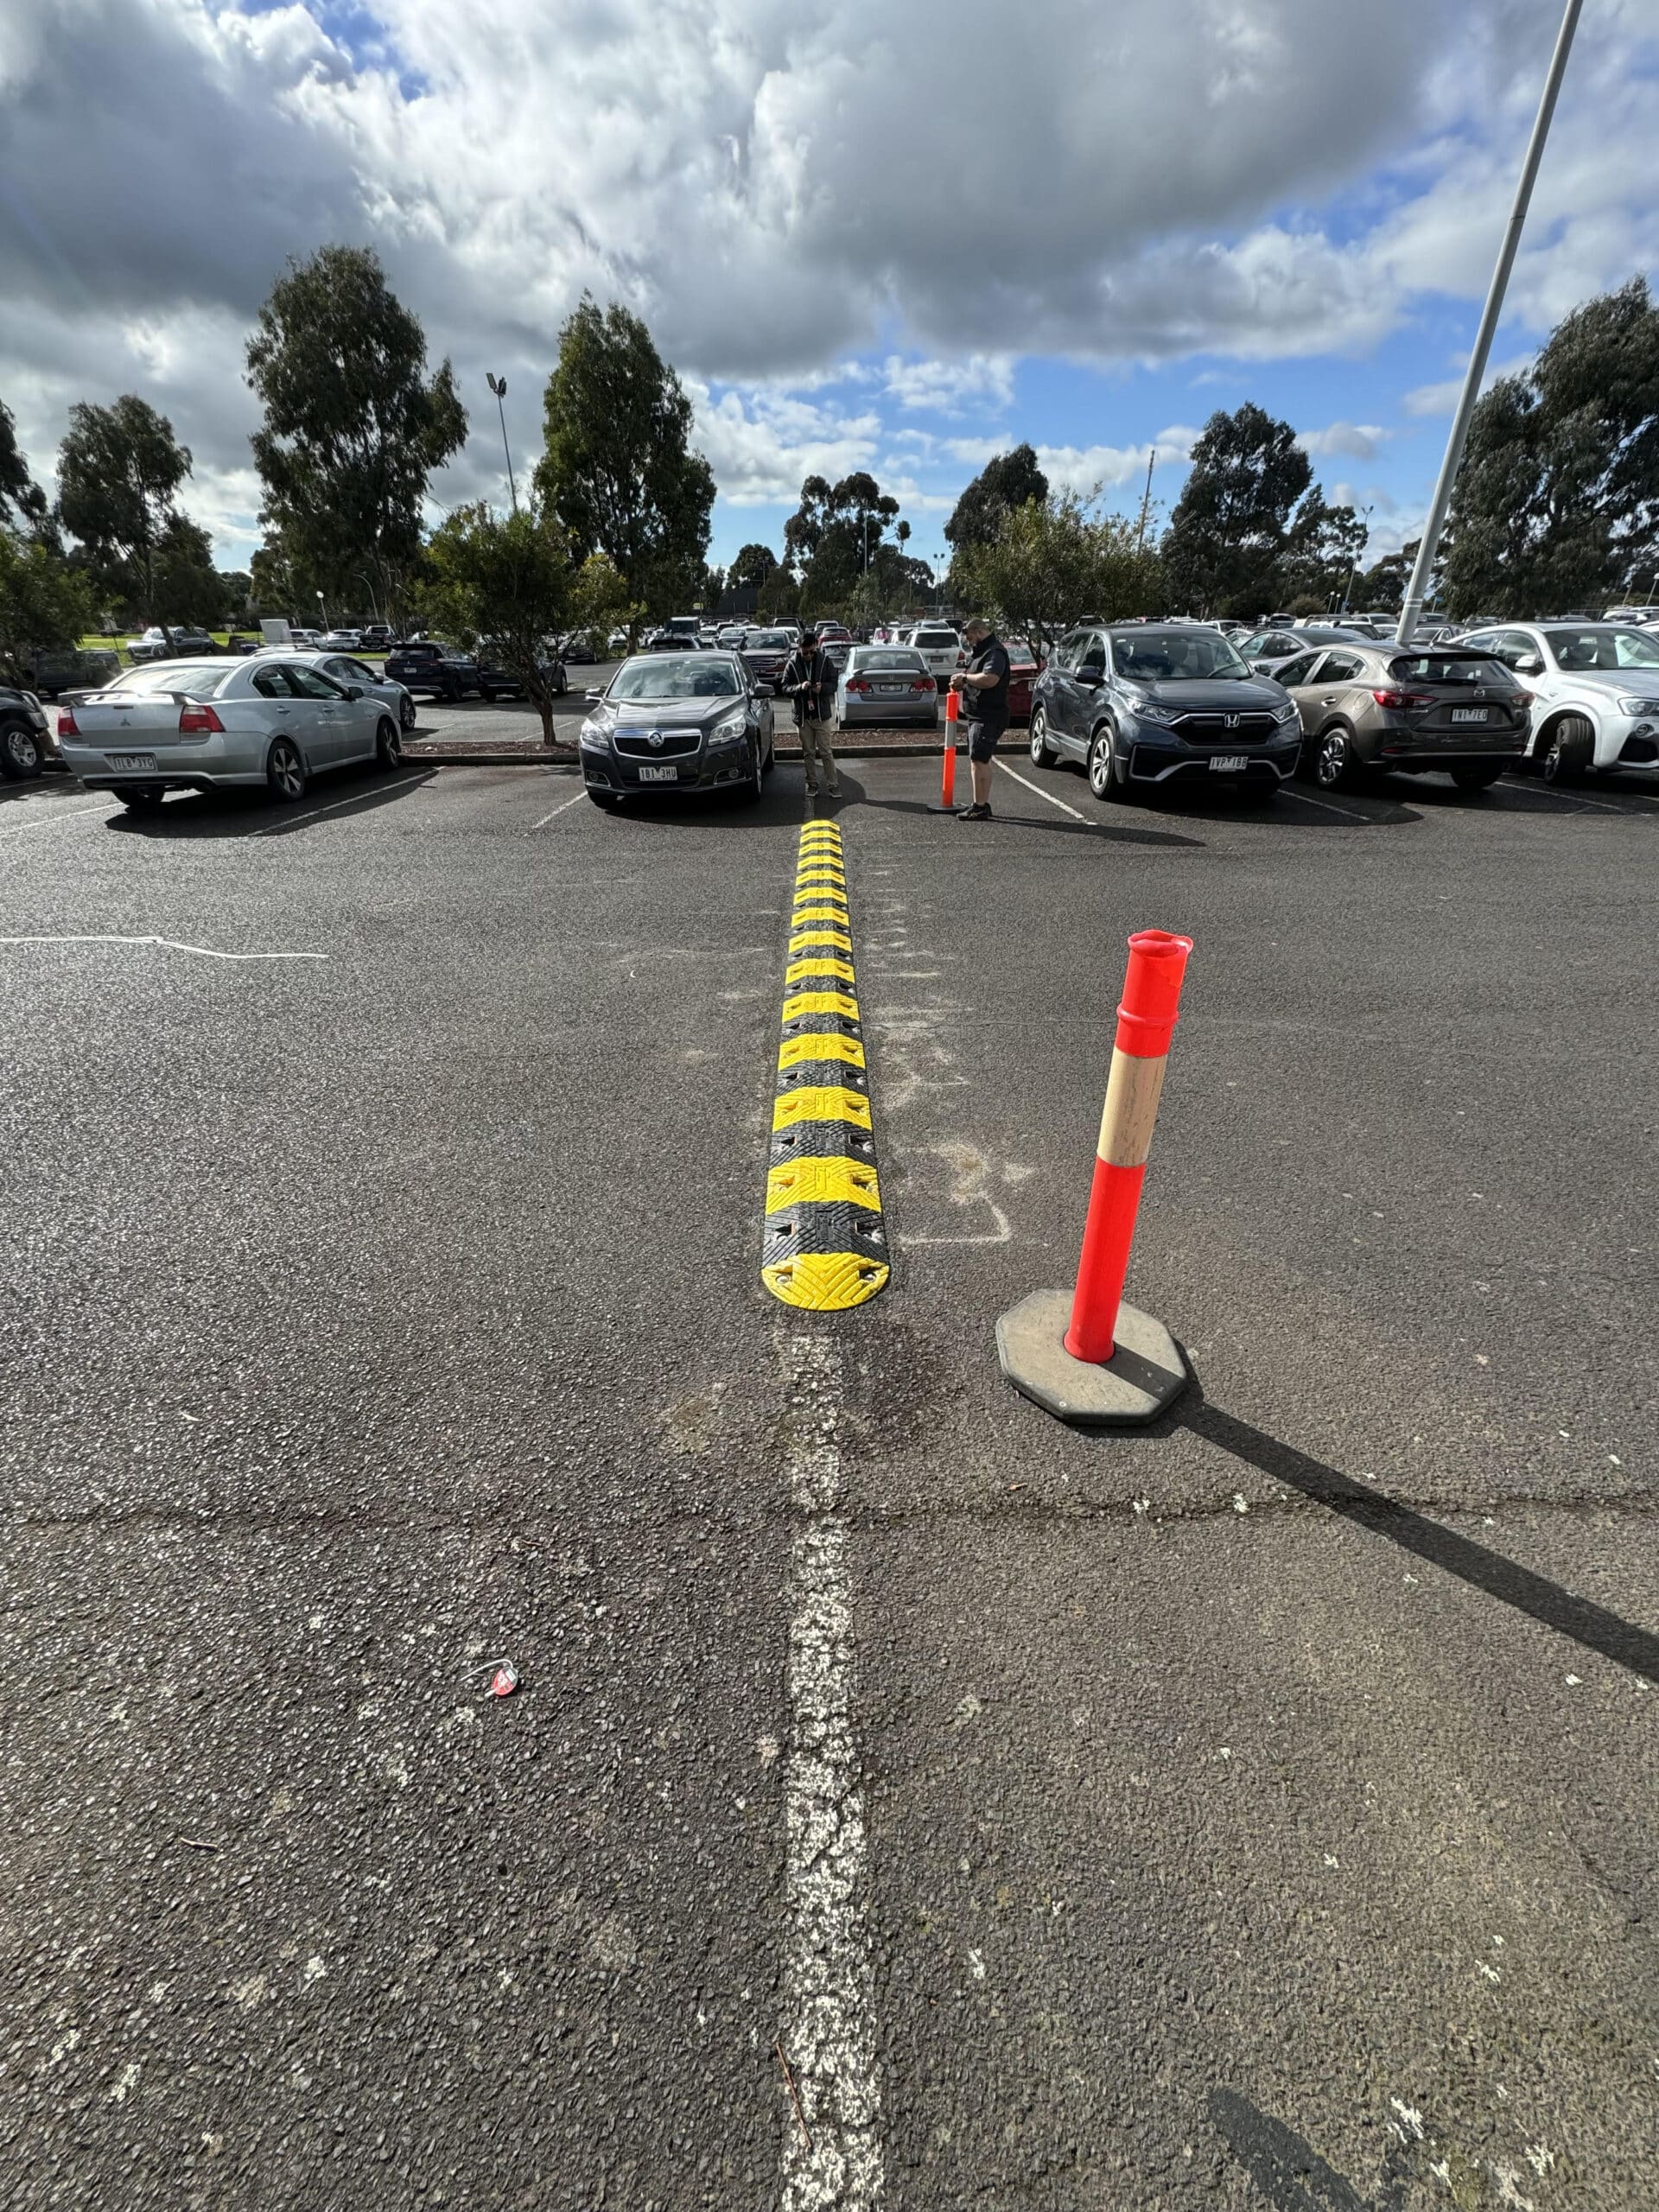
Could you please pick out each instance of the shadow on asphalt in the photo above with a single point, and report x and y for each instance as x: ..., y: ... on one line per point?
x: 54, y: 784
x: 780, y: 804
x: 236, y: 814
x: 1289, y: 2172
x: 1096, y: 830
x: 1569, y: 1615
x: 1195, y: 804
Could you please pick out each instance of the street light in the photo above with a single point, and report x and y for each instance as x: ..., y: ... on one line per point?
x: 498, y: 386
x: 322, y: 604
x: 1471, y: 383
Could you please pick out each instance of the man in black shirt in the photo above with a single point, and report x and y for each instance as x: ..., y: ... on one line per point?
x: 811, y: 676
x: 984, y: 683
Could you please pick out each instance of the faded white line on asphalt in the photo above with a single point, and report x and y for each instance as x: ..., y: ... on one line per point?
x: 1348, y: 813
x: 167, y: 944
x: 1041, y: 793
x: 49, y: 821
x: 558, y: 810
x: 829, y: 2034
x: 356, y: 798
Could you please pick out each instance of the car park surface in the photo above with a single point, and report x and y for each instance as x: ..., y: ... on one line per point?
x: 1155, y: 1738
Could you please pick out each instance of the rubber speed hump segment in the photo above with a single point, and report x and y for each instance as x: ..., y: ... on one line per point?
x: 824, y: 1246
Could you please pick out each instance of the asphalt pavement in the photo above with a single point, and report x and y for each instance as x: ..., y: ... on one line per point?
x: 905, y: 1801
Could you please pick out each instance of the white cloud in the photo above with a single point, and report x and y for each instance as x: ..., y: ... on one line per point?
x: 763, y: 442
x: 945, y: 387
x: 1429, y: 399
x: 1354, y: 441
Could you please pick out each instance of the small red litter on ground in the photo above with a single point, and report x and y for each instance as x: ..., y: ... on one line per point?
x: 505, y: 1680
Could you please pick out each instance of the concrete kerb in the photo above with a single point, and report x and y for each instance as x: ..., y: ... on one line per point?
x: 462, y: 756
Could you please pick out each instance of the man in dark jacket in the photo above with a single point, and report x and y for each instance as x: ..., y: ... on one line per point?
x: 984, y: 683
x: 810, y: 678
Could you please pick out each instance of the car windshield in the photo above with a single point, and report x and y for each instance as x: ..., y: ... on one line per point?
x: 939, y: 637
x: 770, y: 641
x: 1175, y: 656
x: 199, y: 679
x: 880, y: 656
x: 1450, y: 668
x: 1577, y: 649
x: 682, y: 678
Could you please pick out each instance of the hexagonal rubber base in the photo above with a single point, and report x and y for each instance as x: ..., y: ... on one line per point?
x: 1143, y: 1378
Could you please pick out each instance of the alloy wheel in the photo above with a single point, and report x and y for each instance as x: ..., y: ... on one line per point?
x: 1100, y: 766
x: 1330, y: 766
x: 286, y: 772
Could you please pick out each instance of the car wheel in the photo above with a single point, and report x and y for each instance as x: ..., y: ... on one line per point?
x: 451, y: 694
x: 1043, y: 754
x: 772, y: 753
x: 406, y: 711
x: 285, y: 771
x: 561, y: 686
x: 1335, y: 767
x: 754, y: 789
x: 1475, y: 779
x: 20, y: 751
x: 608, y: 800
x: 388, y: 744
x: 141, y: 798
x: 1568, y: 745
x: 486, y: 693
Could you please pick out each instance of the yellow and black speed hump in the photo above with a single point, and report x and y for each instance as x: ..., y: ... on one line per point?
x: 825, y: 1245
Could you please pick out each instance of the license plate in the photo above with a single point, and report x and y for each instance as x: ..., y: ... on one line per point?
x: 1468, y: 714
x: 1230, y: 764
x: 648, y: 775
x: 891, y: 690
x: 132, y: 761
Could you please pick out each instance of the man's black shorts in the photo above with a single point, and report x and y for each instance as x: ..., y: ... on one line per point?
x: 982, y: 739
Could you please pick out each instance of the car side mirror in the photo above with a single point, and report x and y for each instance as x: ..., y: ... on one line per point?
x: 593, y: 697
x: 353, y: 690
x: 1528, y: 665
x: 1092, y: 671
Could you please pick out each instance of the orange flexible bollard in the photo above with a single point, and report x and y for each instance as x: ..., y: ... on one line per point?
x: 952, y: 711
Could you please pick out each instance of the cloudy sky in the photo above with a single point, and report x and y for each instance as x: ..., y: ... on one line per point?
x: 892, y: 237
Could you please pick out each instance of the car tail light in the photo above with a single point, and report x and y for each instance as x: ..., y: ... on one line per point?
x: 1519, y: 698
x: 857, y: 684
x: 67, y: 726
x: 1403, y: 698
x: 199, y: 721
x: 923, y: 683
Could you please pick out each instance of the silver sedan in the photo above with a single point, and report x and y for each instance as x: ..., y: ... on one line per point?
x: 347, y: 670
x: 886, y: 683
x: 269, y: 723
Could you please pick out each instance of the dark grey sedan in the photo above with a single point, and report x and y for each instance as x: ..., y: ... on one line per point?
x: 693, y: 721
x: 1150, y: 709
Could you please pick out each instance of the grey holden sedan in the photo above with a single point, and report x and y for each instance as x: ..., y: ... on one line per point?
x: 269, y: 724
x: 693, y: 721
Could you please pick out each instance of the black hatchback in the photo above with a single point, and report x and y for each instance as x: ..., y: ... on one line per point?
x: 440, y: 670
x: 694, y: 722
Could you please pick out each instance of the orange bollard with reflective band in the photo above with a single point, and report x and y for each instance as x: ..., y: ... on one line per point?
x: 948, y: 789
x: 1108, y: 1365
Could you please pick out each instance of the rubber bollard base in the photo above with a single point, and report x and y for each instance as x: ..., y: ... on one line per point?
x: 1143, y: 1378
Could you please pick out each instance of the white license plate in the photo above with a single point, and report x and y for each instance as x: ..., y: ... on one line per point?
x: 891, y: 690
x: 648, y: 775
x: 1230, y: 764
x: 131, y: 762
x: 1468, y: 714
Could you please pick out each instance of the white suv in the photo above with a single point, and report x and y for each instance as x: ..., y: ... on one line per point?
x: 1595, y: 692
x: 940, y: 647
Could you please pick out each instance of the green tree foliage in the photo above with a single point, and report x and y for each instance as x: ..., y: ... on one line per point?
x: 22, y: 503
x: 45, y: 601
x: 1006, y: 481
x: 618, y: 471
x: 506, y: 578
x: 1382, y: 586
x: 353, y: 426
x: 752, y: 565
x: 118, y: 471
x: 187, y: 585
x: 1230, y: 528
x: 1557, y: 501
x: 781, y: 594
x: 1054, y: 560
x: 1321, y: 552
x: 599, y: 601
x: 835, y: 533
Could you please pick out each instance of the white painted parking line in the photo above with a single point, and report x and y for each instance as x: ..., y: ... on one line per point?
x: 832, y: 2158
x: 1041, y: 793
x: 316, y: 813
x: 166, y: 944
x: 558, y: 810
x: 48, y: 820
x: 1348, y: 813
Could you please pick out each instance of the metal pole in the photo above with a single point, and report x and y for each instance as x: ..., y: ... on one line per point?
x: 1418, y: 587
x: 498, y: 386
x: 1146, y: 502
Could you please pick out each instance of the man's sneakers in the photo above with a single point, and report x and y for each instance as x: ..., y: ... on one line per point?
x: 978, y: 812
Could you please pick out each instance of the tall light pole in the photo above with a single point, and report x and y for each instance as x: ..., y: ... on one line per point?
x: 1146, y: 502
x: 498, y: 386
x: 1418, y: 587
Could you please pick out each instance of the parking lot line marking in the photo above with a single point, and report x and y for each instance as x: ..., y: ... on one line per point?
x: 168, y: 945
x: 48, y: 820
x: 1348, y: 813
x: 355, y: 798
x: 1041, y: 793
x: 558, y: 810
x: 832, y: 2160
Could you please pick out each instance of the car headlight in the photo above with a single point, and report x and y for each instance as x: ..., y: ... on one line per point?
x: 1150, y: 710
x: 1638, y: 705
x: 732, y: 731
x: 594, y: 735
x: 1286, y: 712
